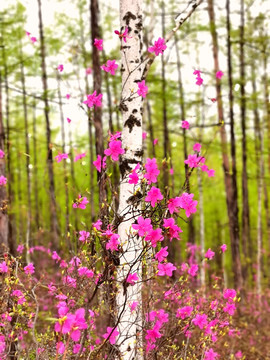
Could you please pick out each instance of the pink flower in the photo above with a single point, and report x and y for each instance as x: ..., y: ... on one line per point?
x: 200, y: 320
x: 184, y: 312
x: 60, y: 347
x: 60, y: 68
x: 155, y: 141
x: 2, y: 154
x: 33, y: 39
x: 133, y: 305
x: 80, y: 203
x: 142, y: 89
x: 84, y: 235
x: 115, y: 136
x: 223, y: 248
x: 185, y: 124
x: 79, y: 157
x: 197, y: 72
x: 68, y: 96
x: 69, y: 120
x: 204, y: 167
x: 60, y: 157
x: 229, y: 294
x: 197, y: 147
x: 159, y: 47
x: 84, y: 271
x: 132, y: 278
x: 144, y: 135
x: 229, y: 308
x: 97, y: 163
x: 219, y: 74
x: 194, y: 160
x: 72, y: 323
x: 111, y: 335
x: 29, y: 269
x: 165, y: 269
x: 211, y: 355
x: 193, y: 270
x: 3, y: 267
x: 20, y: 248
x: 143, y: 226
x: 113, y: 243
x: 97, y: 225
x: 3, y: 180
x: 154, y: 195
x: 134, y: 177
x: 188, y: 204
x: 238, y: 355
x: 93, y: 100
x: 154, y: 334
x: 98, y: 43
x: 114, y: 150
x: 110, y: 67
x: 199, y: 81
x: 88, y: 71
x: 154, y: 236
x: 152, y: 171
x: 209, y: 254
x: 174, y: 204
x: 174, y: 230
x: 171, y: 171
x: 162, y: 254
x: 123, y: 35
x: 211, y: 173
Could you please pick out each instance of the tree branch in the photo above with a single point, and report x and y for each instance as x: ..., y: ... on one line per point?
x: 179, y: 21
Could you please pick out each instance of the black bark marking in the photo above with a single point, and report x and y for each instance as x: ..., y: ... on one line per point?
x: 123, y: 107
x: 128, y: 16
x: 131, y: 122
x: 138, y: 153
x: 139, y: 25
x: 125, y: 167
x: 134, y: 111
x: 126, y: 47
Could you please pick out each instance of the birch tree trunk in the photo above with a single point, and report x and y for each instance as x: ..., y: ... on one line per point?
x: 130, y: 323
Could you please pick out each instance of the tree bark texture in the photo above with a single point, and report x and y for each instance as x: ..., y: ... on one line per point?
x: 130, y: 323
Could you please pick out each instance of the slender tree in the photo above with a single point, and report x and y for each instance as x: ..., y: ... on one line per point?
x: 191, y: 229
x: 233, y: 221
x: 3, y: 191
x: 27, y: 153
x: 97, y: 118
x: 245, y: 204
x: 53, y: 213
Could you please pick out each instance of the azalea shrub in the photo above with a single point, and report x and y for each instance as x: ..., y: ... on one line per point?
x: 60, y: 306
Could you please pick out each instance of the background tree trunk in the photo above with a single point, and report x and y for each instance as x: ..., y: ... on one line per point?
x: 95, y: 34
x: 245, y: 205
x: 53, y: 213
x: 233, y: 221
x: 3, y: 189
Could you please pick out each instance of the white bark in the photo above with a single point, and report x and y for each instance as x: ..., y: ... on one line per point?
x: 130, y: 323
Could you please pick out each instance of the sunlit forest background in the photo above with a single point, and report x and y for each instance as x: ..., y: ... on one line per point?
x: 229, y: 117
